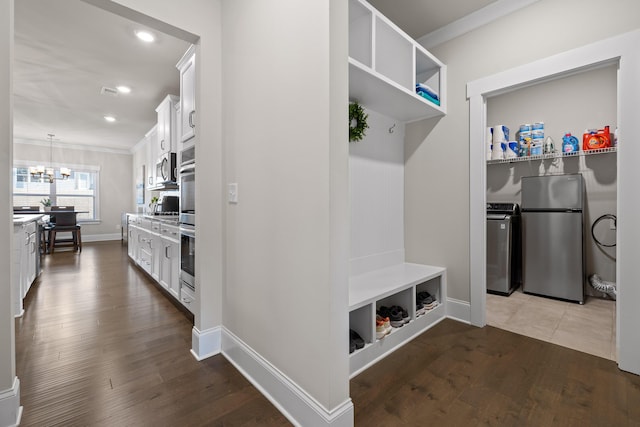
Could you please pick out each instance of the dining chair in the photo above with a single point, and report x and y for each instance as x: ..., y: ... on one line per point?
x: 26, y: 209
x: 63, y: 222
x: 62, y: 208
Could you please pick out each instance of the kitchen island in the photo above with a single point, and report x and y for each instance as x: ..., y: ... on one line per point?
x: 26, y: 260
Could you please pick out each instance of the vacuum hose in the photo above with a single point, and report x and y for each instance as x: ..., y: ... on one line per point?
x: 598, y: 284
x: 596, y: 281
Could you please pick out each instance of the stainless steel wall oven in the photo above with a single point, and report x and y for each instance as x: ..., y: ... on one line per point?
x: 187, y: 194
x: 188, y: 256
x: 188, y: 217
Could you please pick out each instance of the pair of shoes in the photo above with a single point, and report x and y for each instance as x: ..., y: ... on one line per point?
x: 424, y: 302
x: 355, y: 341
x: 398, y: 315
x: 383, y: 326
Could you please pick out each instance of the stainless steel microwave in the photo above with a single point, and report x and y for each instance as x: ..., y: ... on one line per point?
x: 166, y: 168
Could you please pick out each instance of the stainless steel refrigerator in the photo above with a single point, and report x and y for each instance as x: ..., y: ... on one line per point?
x: 553, y: 236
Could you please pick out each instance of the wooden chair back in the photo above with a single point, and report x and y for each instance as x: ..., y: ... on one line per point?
x: 64, y: 219
x: 62, y: 208
x: 26, y: 209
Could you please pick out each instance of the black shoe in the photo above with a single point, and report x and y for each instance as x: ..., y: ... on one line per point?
x: 405, y: 315
x: 352, y: 346
x: 384, y: 311
x: 395, y: 316
x: 356, y: 339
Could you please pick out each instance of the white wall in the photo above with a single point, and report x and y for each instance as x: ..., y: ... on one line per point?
x: 9, y: 384
x: 437, y: 167
x: 201, y: 18
x: 284, y: 296
x: 115, y: 192
x: 376, y: 169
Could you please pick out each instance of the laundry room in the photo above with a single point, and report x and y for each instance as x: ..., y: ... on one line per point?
x: 534, y: 292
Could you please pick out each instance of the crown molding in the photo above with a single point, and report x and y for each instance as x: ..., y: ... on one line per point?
x: 81, y: 147
x: 473, y: 21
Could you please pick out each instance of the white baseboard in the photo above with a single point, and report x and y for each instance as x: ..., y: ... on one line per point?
x: 101, y: 237
x: 206, y: 343
x: 10, y: 409
x: 459, y: 310
x: 295, y: 403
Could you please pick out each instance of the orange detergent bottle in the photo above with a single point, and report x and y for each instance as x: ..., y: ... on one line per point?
x: 596, y: 138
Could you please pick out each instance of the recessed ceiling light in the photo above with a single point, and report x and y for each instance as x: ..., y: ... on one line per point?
x: 110, y: 118
x: 124, y: 89
x: 145, y: 36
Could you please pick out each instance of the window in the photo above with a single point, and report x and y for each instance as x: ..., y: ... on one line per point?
x: 79, y: 190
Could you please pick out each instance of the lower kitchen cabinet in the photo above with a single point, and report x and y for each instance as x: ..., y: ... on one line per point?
x: 187, y: 297
x: 170, y: 265
x: 154, y: 246
x: 25, y: 271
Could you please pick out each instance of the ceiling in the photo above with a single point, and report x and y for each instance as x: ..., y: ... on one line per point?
x: 67, y: 50
x: 421, y: 17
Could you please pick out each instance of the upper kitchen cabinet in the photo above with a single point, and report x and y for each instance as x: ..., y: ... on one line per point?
x: 186, y: 65
x: 166, y: 124
x: 150, y: 139
x: 389, y: 72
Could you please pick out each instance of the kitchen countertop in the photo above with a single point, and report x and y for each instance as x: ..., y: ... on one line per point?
x: 165, y: 219
x: 21, y: 219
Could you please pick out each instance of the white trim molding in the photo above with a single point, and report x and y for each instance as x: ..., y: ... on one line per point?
x: 100, y: 237
x: 300, y: 408
x: 472, y: 21
x: 205, y: 343
x: 623, y: 51
x: 459, y: 310
x: 10, y: 409
x: 71, y: 146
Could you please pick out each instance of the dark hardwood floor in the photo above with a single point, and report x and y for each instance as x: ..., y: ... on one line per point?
x: 459, y: 375
x: 99, y: 345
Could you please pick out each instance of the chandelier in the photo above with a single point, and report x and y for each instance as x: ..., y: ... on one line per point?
x: 48, y: 174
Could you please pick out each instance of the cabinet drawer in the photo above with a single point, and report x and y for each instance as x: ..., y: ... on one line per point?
x: 170, y: 231
x: 187, y: 297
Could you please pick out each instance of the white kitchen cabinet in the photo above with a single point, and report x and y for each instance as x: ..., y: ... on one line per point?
x: 149, y: 251
x: 132, y: 242
x: 152, y: 156
x: 385, y: 64
x: 170, y: 260
x: 187, y: 121
x: 154, y: 245
x: 166, y: 123
x: 187, y: 297
x: 26, y: 252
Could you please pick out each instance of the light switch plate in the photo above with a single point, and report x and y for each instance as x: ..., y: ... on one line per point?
x: 233, y: 192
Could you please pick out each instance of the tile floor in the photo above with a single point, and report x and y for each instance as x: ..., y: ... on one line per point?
x: 590, y: 328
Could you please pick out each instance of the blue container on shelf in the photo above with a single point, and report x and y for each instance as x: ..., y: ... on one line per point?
x: 570, y: 144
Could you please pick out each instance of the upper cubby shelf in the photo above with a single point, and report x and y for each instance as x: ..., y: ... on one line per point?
x: 385, y: 65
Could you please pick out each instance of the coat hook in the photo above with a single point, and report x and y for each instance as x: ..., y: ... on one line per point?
x: 391, y: 128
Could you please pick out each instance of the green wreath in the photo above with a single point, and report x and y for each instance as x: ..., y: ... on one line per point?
x: 357, y: 122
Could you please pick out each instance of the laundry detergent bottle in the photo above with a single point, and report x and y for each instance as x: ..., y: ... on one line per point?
x: 570, y: 144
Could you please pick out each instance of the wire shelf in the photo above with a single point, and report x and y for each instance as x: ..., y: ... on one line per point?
x: 555, y: 155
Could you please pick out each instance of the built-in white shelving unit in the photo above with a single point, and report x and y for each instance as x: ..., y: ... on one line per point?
x: 385, y: 64
x: 394, y: 285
